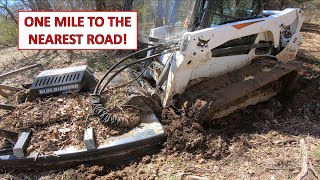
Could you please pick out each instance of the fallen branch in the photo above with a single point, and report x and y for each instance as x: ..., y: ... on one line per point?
x: 304, y: 169
x: 280, y: 168
x: 315, y: 173
x: 26, y: 68
x: 10, y: 88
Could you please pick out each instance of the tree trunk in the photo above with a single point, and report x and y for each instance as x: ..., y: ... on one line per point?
x: 127, y: 5
x: 99, y: 5
x: 282, y: 4
x: 32, y: 5
x: 108, y: 5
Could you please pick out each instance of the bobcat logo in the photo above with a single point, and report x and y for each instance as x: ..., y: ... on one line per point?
x: 203, y: 43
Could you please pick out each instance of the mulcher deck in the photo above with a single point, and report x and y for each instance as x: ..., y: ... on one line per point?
x: 144, y: 139
x: 249, y: 85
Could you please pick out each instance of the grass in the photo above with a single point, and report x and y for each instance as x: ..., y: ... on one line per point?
x: 316, y: 152
x: 316, y: 155
x: 8, y: 32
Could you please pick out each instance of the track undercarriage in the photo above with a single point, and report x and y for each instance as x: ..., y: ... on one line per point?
x: 257, y: 82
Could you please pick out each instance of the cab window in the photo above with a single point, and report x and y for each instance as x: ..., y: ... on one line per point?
x: 210, y: 13
x: 225, y: 11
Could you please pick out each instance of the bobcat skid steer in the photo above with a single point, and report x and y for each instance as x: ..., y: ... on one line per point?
x: 212, y: 55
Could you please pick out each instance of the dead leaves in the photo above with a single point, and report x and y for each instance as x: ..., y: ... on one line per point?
x: 59, y: 122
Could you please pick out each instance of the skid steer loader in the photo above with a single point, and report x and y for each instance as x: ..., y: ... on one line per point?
x: 210, y: 56
x: 214, y: 56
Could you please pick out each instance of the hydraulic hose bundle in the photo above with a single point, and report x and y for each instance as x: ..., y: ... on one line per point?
x: 105, y: 117
x: 98, y: 108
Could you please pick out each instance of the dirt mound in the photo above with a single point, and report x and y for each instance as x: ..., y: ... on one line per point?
x: 218, y: 138
x: 187, y: 134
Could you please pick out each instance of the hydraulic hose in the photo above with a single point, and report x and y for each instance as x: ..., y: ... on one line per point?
x: 119, y: 62
x: 100, y: 111
x: 107, y: 118
x: 125, y: 67
x: 98, y: 108
x: 145, y: 66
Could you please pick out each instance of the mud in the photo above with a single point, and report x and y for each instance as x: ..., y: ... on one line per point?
x: 186, y: 133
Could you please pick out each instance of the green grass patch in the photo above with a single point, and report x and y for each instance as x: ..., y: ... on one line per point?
x: 316, y: 152
x: 8, y: 32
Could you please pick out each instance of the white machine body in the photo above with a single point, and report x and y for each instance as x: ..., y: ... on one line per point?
x: 195, y: 60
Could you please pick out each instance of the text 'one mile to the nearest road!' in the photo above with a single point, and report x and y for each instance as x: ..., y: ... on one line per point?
x: 74, y: 32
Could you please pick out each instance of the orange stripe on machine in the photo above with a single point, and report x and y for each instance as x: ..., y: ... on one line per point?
x: 240, y: 26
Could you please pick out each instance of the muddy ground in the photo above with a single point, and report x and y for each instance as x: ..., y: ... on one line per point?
x: 258, y: 142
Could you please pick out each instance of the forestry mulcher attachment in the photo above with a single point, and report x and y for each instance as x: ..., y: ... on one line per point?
x: 215, y: 56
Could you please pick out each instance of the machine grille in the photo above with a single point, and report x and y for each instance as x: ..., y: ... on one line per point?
x: 69, y: 79
x: 57, y: 80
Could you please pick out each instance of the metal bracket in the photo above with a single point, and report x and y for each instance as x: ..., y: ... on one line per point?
x: 7, y: 107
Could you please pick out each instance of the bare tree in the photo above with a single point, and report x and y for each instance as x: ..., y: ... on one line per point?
x: 282, y: 4
x: 43, y: 5
x: 37, y: 4
x: 29, y: 4
x: 4, y: 5
x: 127, y: 5
x: 108, y: 5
